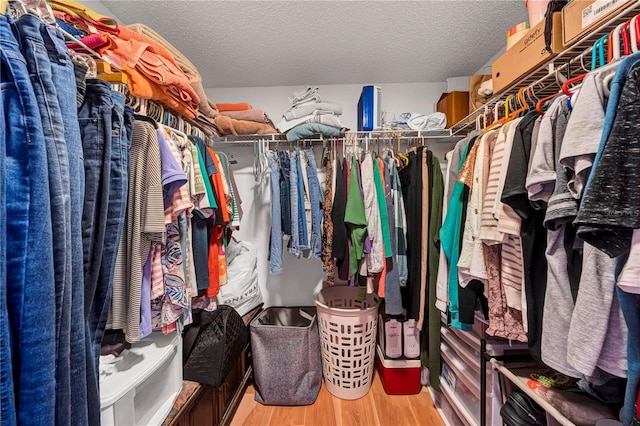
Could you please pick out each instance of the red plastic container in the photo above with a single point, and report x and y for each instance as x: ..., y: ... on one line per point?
x: 398, y: 376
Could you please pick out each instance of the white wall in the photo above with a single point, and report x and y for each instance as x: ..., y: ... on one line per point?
x: 396, y: 98
x: 302, y: 278
x: 455, y: 84
x: 99, y: 7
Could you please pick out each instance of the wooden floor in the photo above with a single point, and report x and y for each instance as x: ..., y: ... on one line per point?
x: 375, y: 409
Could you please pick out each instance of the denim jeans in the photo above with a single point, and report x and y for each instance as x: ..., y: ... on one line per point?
x: 7, y: 397
x: 29, y: 238
x: 302, y: 215
x: 80, y: 72
x: 34, y: 40
x: 315, y: 195
x: 295, y: 234
x: 115, y: 217
x: 116, y: 209
x: 95, y: 118
x: 630, y: 305
x: 275, y: 248
x: 285, y: 192
x: 64, y: 79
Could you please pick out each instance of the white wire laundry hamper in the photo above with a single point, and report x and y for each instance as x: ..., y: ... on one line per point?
x: 348, y: 328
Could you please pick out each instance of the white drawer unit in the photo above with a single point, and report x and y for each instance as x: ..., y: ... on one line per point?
x: 141, y: 388
x: 462, y: 382
x: 446, y: 408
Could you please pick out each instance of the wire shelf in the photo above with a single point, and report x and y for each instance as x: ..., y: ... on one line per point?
x: 543, y: 79
x: 430, y: 136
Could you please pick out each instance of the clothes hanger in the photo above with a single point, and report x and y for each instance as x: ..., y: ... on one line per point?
x: 104, y: 72
x: 597, y: 53
x: 542, y: 101
x: 524, y: 106
x: 499, y: 121
x: 634, y: 27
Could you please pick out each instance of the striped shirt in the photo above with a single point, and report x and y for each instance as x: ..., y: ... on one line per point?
x: 492, y: 231
x: 488, y: 223
x: 144, y: 223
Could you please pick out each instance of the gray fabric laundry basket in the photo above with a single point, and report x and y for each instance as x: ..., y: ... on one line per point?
x: 287, y: 362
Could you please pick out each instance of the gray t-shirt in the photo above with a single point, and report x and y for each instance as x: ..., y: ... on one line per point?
x: 597, y: 318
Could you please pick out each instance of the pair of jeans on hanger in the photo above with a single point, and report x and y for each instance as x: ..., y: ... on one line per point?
x: 53, y: 80
x: 106, y: 127
x: 28, y: 324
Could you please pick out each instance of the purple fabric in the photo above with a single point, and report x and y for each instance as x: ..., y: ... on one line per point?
x: 145, y: 300
x: 172, y: 175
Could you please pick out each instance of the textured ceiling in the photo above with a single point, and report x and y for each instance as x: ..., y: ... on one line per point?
x: 282, y: 43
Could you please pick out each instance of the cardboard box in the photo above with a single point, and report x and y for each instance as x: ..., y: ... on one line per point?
x: 455, y: 105
x: 527, y: 54
x: 580, y: 16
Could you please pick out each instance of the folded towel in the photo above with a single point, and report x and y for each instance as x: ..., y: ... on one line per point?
x: 229, y: 126
x: 305, y: 95
x: 160, y: 70
x: 233, y: 107
x: 327, y: 119
x: 435, y: 121
x: 128, y: 34
x: 205, y: 106
x: 307, y: 131
x: 256, y: 115
x: 100, y: 43
x: 309, y: 101
x: 322, y: 107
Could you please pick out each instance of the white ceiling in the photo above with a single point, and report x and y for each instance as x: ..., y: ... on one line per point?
x: 283, y: 43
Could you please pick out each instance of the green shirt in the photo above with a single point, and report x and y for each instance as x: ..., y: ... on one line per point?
x: 355, y: 219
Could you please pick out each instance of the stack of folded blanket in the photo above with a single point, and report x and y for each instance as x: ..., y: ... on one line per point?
x: 309, y: 116
x: 242, y: 119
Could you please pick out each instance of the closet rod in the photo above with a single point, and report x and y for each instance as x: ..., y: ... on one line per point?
x: 428, y: 134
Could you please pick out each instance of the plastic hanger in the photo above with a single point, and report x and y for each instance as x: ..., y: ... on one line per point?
x: 523, y: 104
x: 597, y: 53
x: 566, y: 86
x: 105, y: 72
x: 499, y: 121
x: 633, y: 32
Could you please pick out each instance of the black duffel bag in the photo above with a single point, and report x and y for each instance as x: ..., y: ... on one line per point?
x: 212, y: 345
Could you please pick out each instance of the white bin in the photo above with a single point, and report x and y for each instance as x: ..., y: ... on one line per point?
x: 348, y: 329
x: 142, y: 387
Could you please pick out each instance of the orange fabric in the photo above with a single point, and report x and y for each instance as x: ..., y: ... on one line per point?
x: 214, y: 264
x: 129, y: 34
x: 217, y: 256
x: 222, y: 256
x: 161, y: 71
x: 233, y: 107
x: 230, y: 126
x: 218, y: 187
x: 142, y: 87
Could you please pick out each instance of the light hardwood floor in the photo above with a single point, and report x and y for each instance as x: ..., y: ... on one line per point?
x: 375, y: 409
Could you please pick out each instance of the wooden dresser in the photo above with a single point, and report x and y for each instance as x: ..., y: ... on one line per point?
x: 202, y: 405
